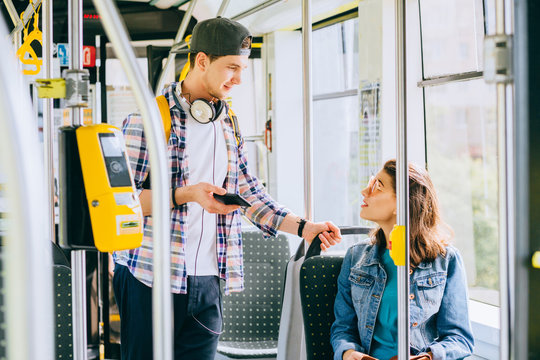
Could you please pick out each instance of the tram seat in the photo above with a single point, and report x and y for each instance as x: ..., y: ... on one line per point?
x: 318, y: 289
x: 62, y: 305
x: 251, y: 318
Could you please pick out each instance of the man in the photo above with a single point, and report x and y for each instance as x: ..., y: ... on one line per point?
x: 206, y: 157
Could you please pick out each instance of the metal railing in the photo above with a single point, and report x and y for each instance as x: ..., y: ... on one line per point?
x: 28, y: 252
x: 179, y: 36
x: 153, y: 128
x: 402, y: 177
x: 307, y: 105
x: 506, y: 170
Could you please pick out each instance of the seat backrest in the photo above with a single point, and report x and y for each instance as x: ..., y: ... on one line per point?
x: 254, y: 314
x: 318, y: 289
x: 62, y: 310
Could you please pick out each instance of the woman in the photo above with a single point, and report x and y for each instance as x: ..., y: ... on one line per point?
x: 366, y: 303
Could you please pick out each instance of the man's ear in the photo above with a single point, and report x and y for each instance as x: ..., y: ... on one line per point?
x: 201, y: 61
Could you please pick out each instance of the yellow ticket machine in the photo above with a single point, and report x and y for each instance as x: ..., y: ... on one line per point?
x: 99, y: 205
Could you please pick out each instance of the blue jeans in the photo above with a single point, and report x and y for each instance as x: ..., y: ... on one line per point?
x: 197, y: 317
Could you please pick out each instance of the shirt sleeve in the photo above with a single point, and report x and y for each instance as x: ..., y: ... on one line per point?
x: 455, y: 339
x: 136, y: 149
x: 344, y: 334
x: 264, y: 212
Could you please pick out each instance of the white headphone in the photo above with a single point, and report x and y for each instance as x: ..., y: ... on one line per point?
x: 202, y: 110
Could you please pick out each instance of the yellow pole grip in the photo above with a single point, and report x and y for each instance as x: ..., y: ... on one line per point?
x: 397, y: 245
x: 536, y: 260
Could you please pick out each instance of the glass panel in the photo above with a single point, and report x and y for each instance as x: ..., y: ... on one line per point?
x: 452, y: 34
x: 335, y: 57
x: 336, y: 145
x: 489, y: 11
x: 120, y: 98
x: 461, y: 135
x: 3, y: 202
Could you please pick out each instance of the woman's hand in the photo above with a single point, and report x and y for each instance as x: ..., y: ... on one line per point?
x: 355, y: 355
x: 329, y: 233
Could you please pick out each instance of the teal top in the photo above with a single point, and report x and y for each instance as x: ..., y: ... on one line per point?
x: 385, y: 337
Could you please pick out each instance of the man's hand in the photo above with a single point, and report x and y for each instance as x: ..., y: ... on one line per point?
x: 355, y: 355
x: 202, y: 193
x: 425, y: 356
x: 329, y: 233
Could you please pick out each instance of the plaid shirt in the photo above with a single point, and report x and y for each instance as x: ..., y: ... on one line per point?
x: 265, y: 213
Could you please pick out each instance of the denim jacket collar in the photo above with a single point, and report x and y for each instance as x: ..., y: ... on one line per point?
x: 425, y: 265
x: 371, y: 257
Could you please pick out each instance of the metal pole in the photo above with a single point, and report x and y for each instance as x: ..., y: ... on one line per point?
x: 258, y: 8
x: 402, y: 179
x: 16, y: 33
x: 177, y: 46
x: 505, y: 135
x: 223, y: 8
x: 75, y: 36
x: 522, y: 187
x: 78, y: 260
x: 153, y: 129
x: 308, y: 104
x: 27, y: 249
x: 78, y: 295
x: 48, y: 114
x: 13, y: 13
x: 179, y: 36
x: 28, y: 12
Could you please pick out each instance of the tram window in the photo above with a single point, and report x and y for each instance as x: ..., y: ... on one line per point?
x: 336, y: 144
x: 3, y: 203
x: 461, y: 136
x: 120, y: 98
x: 335, y: 57
x: 447, y: 44
x: 338, y: 128
x: 489, y: 11
x: 335, y: 118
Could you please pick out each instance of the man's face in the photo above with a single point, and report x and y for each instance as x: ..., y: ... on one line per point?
x: 223, y: 73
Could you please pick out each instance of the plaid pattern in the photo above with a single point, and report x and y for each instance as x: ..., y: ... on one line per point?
x: 265, y: 213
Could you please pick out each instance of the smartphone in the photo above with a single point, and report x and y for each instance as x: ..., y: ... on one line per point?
x: 232, y: 199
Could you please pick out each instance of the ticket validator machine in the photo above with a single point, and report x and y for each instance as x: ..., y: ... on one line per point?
x: 99, y: 207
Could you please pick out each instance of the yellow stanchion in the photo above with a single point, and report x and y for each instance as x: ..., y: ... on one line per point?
x: 536, y: 260
x: 397, y: 245
x: 185, y: 69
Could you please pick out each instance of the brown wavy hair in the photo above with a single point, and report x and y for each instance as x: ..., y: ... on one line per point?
x: 428, y: 233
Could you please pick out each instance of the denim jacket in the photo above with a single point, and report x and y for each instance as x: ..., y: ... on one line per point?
x: 439, y: 316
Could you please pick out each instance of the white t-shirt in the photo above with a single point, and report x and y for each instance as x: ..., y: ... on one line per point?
x: 206, y: 164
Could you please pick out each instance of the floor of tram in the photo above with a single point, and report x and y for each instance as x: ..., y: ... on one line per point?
x: 223, y: 357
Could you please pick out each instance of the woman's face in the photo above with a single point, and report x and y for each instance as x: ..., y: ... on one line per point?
x: 379, y: 200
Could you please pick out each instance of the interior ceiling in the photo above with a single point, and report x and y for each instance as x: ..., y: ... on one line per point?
x: 160, y: 19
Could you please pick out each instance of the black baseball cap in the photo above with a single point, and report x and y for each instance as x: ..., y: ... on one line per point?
x: 219, y: 36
